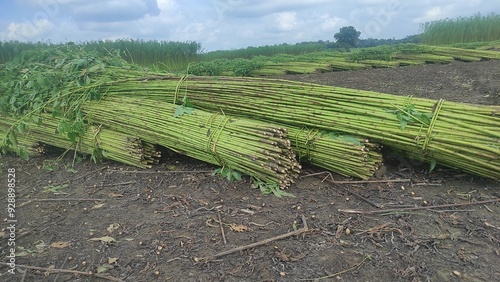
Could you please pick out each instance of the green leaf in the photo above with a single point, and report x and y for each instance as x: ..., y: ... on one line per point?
x: 37, y: 120
x: 433, y: 164
x: 187, y: 103
x: 94, y: 156
x: 56, y: 113
x: 181, y: 110
x: 63, y: 127
x: 56, y: 104
x: 73, y: 136
x: 95, y: 95
x: 94, y: 68
x: 79, y: 127
x: 21, y: 127
x: 55, y: 188
x: 50, y: 165
x: 236, y: 175
x: 217, y: 171
x: 402, y: 124
x: 23, y: 154
x: 281, y: 193
x: 12, y: 139
x: 72, y: 170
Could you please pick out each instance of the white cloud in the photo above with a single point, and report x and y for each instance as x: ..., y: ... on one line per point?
x: 260, y: 8
x: 286, y: 21
x: 435, y: 13
x: 224, y: 24
x: 332, y: 24
x: 29, y: 31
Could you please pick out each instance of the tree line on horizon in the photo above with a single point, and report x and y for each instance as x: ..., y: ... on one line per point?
x: 173, y: 55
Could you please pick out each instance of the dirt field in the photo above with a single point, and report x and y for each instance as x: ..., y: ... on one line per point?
x: 163, y: 224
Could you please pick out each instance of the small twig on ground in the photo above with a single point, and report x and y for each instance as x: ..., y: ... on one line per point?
x: 372, y: 181
x: 360, y: 197
x: 67, y: 199
x: 357, y: 266
x: 79, y: 177
x: 329, y: 178
x: 62, y: 266
x: 113, y: 184
x: 221, y: 228
x: 110, y: 278
x: 24, y: 275
x: 381, y: 228
x: 263, y: 242
x: 163, y: 172
x: 355, y: 181
x: 82, y: 176
x: 421, y: 208
x: 428, y: 184
x: 60, y: 199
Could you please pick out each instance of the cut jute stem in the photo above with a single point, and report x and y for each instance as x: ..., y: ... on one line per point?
x: 421, y: 208
x: 56, y: 270
x: 263, y: 242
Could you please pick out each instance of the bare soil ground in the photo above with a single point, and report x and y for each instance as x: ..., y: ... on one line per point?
x: 162, y: 224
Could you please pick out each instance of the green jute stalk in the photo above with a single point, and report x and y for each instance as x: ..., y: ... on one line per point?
x: 258, y: 149
x: 97, y: 141
x: 362, y: 113
x: 355, y: 157
x: 27, y: 144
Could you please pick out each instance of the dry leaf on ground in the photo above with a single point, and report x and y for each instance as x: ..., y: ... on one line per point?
x: 97, y: 206
x: 105, y: 239
x: 112, y: 227
x: 60, y: 245
x: 238, y: 227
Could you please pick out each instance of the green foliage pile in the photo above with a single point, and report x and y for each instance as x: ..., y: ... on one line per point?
x: 56, y: 97
x: 41, y: 97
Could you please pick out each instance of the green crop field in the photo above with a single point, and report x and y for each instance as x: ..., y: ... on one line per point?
x: 476, y: 28
x: 167, y: 55
x: 476, y: 34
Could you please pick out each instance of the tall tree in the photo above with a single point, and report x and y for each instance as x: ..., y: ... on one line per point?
x: 347, y: 37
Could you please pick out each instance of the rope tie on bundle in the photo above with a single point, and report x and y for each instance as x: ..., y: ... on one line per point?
x: 310, y: 138
x: 213, y: 135
x: 428, y: 136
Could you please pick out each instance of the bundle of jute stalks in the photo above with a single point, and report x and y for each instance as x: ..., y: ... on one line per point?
x: 461, y: 136
x: 97, y: 141
x: 261, y: 150
x: 342, y: 153
x: 25, y: 145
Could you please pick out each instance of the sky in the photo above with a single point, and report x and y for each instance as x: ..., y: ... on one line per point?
x: 224, y: 24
